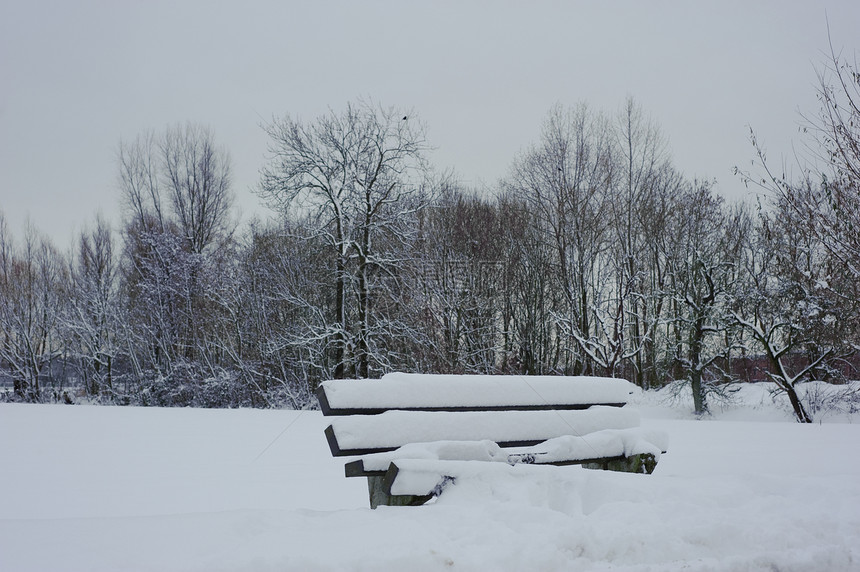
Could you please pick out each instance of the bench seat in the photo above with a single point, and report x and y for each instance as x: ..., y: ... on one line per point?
x: 416, y: 481
x: 609, y: 444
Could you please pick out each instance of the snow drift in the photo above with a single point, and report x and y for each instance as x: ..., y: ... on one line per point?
x: 107, y: 488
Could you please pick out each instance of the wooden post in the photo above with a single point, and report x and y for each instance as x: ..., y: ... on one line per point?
x: 378, y: 496
x: 643, y: 463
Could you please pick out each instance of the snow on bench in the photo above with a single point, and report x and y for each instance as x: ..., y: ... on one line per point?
x: 415, y: 392
x: 567, y: 449
x: 423, y: 471
x: 414, y: 432
x: 362, y: 434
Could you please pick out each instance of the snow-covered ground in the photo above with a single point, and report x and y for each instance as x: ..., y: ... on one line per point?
x: 109, y: 488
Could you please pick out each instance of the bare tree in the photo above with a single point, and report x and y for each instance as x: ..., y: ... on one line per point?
x: 358, y: 175
x: 810, y: 248
x: 94, y: 307
x: 565, y: 179
x: 196, y: 175
x: 32, y: 288
x: 836, y: 193
x: 769, y: 308
x: 139, y: 182
x: 532, y: 332
x: 458, y: 282
x: 644, y: 176
x: 177, y: 233
x: 708, y: 241
x: 178, y: 178
x: 285, y: 303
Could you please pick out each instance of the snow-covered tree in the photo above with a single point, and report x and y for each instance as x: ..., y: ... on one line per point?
x: 358, y: 176
x: 458, y: 282
x: 643, y: 184
x: 93, y: 315
x: 564, y: 179
x: 708, y: 239
x: 787, y: 306
x: 32, y: 291
x: 177, y: 230
x: 807, y: 262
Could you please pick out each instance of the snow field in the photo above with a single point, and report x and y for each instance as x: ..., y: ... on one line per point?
x: 101, y: 488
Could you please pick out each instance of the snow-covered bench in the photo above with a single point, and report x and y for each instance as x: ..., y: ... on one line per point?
x: 416, y: 434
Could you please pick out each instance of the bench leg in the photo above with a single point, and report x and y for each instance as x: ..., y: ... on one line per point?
x: 378, y: 496
x: 644, y: 463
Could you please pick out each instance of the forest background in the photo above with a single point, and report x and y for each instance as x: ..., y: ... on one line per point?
x: 593, y: 256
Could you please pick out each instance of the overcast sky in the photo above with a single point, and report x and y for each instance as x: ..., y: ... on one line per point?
x: 76, y: 77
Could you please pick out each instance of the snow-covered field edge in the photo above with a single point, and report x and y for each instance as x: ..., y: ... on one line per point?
x: 111, y: 488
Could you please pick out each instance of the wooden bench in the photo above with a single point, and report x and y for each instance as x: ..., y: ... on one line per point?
x: 414, y: 434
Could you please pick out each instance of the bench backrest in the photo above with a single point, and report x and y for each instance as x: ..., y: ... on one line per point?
x: 418, y: 392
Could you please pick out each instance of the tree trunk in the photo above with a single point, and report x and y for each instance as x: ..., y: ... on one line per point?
x: 700, y: 403
x: 781, y: 379
x: 363, y: 326
x: 340, y: 317
x: 797, y: 405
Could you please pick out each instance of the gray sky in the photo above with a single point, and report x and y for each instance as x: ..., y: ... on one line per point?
x: 76, y: 77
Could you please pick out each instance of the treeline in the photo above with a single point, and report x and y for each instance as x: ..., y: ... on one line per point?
x: 593, y: 256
